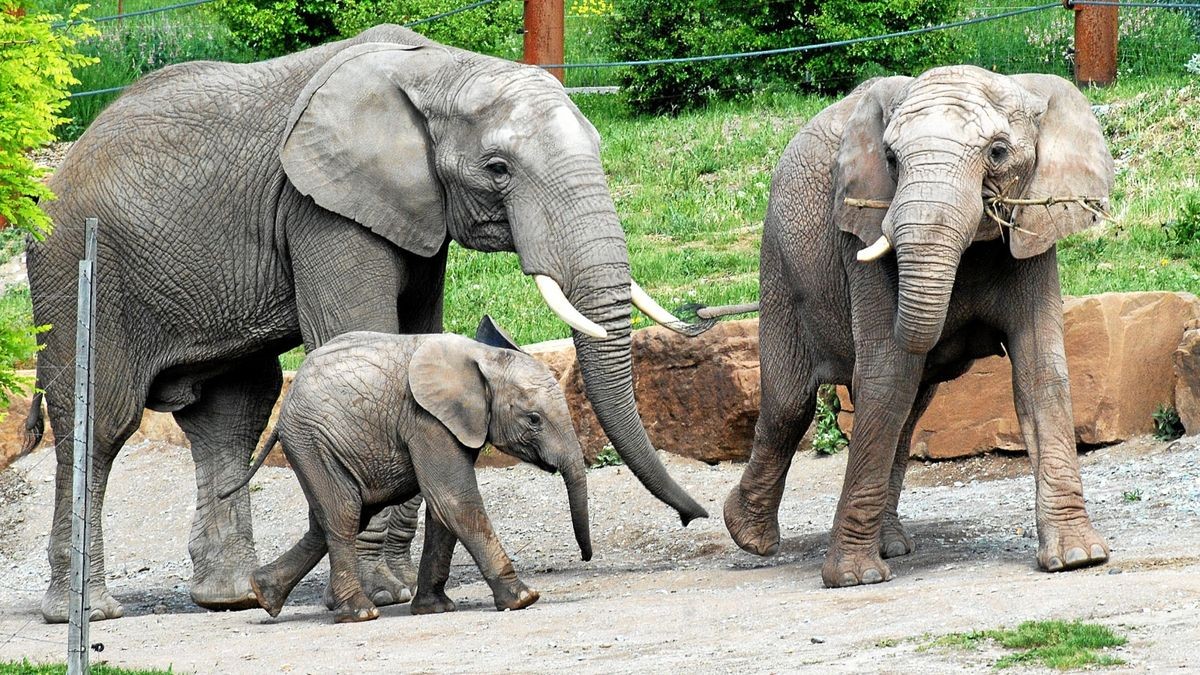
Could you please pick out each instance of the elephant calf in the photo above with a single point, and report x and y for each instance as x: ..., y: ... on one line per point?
x: 372, y: 419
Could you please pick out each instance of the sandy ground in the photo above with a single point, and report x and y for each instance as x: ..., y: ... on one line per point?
x: 656, y: 597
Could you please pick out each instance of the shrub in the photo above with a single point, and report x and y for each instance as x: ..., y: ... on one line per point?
x: 828, y: 438
x: 275, y: 27
x: 35, y: 71
x: 1167, y: 425
x: 675, y: 28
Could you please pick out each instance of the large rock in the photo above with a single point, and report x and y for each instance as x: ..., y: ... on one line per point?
x: 1187, y: 373
x: 1119, y: 358
x: 698, y: 397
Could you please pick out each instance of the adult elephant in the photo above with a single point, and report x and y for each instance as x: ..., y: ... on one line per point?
x: 934, y: 150
x: 245, y: 209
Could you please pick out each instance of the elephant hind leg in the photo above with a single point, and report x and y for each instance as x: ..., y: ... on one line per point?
x: 115, y: 419
x: 273, y: 583
x: 224, y: 427
x: 789, y: 393
x: 894, y: 541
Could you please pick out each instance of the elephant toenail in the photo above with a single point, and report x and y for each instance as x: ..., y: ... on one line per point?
x: 1098, y: 552
x: 848, y: 579
x: 872, y: 576
x: 1055, y: 564
x: 1076, y: 555
x: 383, y: 598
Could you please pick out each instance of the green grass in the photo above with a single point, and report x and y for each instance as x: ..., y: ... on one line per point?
x: 1063, y: 645
x: 26, y: 668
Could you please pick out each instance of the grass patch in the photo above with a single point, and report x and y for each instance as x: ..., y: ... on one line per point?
x: 24, y: 667
x: 1063, y: 645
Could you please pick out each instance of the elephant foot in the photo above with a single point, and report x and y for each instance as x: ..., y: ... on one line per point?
x: 752, y: 528
x: 431, y: 603
x: 403, y: 569
x: 225, y: 589
x: 379, y: 584
x: 56, y: 607
x: 1070, y: 547
x: 842, y: 569
x: 267, y: 593
x: 358, y: 608
x: 894, y: 540
x: 519, y: 596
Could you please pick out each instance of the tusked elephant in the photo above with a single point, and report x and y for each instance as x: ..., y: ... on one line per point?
x: 970, y: 277
x: 246, y: 209
x: 373, y: 418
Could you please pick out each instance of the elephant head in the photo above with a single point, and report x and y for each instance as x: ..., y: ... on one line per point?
x: 937, y: 146
x: 419, y: 143
x: 507, y: 398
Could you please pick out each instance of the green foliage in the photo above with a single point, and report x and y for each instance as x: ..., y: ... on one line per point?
x: 1183, y: 231
x: 675, y: 28
x: 24, y: 667
x: 17, y: 342
x: 493, y: 29
x: 36, y: 63
x: 828, y: 438
x: 1063, y: 645
x: 607, y: 457
x: 1134, y: 495
x: 275, y: 27
x: 1167, y: 425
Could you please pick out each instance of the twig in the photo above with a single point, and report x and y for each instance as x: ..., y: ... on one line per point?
x: 1090, y: 204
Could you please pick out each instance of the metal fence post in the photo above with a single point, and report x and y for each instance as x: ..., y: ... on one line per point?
x: 544, y: 20
x: 80, y: 601
x: 1095, y: 44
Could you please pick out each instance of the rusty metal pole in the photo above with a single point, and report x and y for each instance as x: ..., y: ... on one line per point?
x: 1095, y: 44
x: 544, y: 33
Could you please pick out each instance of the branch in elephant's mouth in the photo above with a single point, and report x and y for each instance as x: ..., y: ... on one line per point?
x: 996, y: 203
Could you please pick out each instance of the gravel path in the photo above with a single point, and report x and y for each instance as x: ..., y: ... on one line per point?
x: 656, y: 597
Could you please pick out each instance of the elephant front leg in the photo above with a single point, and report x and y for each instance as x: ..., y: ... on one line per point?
x: 885, y: 387
x: 223, y: 428
x: 894, y: 540
x: 1066, y: 538
x: 431, y: 595
x: 397, y: 547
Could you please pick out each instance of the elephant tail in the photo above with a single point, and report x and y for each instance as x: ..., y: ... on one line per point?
x: 35, y: 426
x: 255, y: 463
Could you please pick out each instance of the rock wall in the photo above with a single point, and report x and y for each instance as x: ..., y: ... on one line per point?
x: 700, y: 397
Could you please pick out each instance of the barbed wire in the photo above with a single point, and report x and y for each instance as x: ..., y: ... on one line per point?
x: 1159, y: 5
x: 452, y: 12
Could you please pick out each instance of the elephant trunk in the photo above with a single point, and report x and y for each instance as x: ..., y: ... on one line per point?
x: 929, y: 239
x: 574, y: 474
x: 606, y: 365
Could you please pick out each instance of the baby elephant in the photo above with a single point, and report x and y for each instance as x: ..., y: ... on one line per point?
x: 372, y: 419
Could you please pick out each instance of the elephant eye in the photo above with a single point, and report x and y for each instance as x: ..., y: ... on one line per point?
x: 999, y: 152
x: 497, y: 168
x: 535, y: 419
x: 890, y: 158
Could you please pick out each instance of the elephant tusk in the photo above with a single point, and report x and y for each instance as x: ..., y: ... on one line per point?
x: 643, y: 301
x: 875, y: 251
x: 558, y: 303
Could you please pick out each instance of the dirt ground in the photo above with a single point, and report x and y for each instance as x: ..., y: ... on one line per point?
x: 656, y: 597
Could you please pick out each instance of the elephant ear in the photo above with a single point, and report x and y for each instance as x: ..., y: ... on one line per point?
x: 1072, y: 161
x: 860, y: 170
x: 358, y: 146
x: 491, y: 334
x: 445, y: 378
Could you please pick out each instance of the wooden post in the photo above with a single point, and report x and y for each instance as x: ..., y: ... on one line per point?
x: 544, y: 33
x: 1095, y: 44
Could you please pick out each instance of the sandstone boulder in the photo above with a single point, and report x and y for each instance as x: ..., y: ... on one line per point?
x: 1119, y: 358
x: 1187, y: 378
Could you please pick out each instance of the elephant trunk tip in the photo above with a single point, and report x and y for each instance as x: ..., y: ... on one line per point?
x: 687, y: 515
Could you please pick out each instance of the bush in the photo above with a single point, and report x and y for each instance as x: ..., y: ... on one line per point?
x: 675, y: 28
x: 35, y: 71
x: 276, y: 27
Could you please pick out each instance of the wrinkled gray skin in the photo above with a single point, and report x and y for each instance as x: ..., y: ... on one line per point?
x: 371, y: 419
x: 212, y: 261
x: 955, y: 289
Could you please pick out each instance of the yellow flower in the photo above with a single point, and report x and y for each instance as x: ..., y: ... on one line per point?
x: 1164, y: 262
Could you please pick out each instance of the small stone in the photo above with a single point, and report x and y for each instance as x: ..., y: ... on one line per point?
x: 817, y: 640
x: 1114, y: 570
